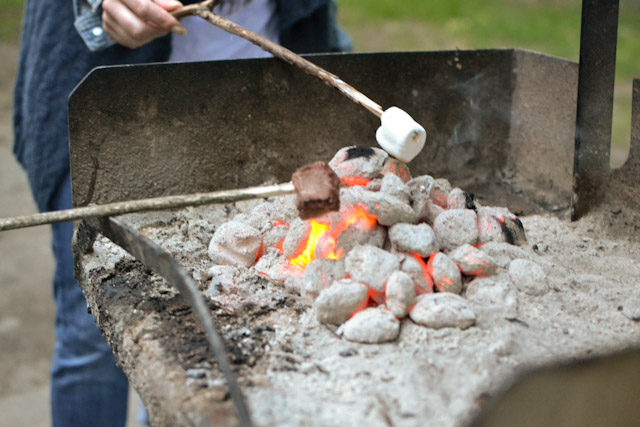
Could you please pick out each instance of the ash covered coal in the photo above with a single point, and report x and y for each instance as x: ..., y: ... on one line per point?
x: 355, y: 257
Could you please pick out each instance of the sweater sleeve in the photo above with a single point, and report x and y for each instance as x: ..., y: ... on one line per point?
x: 88, y: 23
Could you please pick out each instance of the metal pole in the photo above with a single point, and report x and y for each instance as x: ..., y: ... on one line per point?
x: 598, y: 40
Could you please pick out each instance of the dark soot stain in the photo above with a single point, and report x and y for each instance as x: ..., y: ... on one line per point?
x: 355, y: 152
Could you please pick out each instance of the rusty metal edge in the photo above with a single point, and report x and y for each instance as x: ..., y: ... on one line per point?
x: 162, y: 263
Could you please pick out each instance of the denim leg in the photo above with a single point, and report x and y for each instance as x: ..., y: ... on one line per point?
x: 87, y: 388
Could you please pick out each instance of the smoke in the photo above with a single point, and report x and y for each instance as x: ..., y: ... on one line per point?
x: 481, y: 100
x: 470, y: 92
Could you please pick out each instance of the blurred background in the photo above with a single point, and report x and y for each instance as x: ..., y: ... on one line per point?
x: 26, y: 310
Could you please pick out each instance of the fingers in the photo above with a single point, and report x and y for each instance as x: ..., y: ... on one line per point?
x: 133, y: 23
x: 169, y: 5
x: 154, y: 11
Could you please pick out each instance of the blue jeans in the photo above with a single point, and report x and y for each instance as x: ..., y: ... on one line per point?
x: 87, y: 388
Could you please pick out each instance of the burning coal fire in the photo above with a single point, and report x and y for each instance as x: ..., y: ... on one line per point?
x: 399, y: 246
x: 322, y: 240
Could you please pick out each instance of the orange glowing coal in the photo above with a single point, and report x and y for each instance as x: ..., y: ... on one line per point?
x: 425, y: 273
x: 316, y: 232
x: 322, y: 240
x: 350, y: 181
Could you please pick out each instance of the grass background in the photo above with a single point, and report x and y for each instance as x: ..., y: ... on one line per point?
x: 10, y: 19
x: 547, y: 26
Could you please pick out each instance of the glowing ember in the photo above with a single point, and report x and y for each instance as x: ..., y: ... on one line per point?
x: 363, y: 306
x: 325, y: 238
x: 377, y: 297
x: 439, y: 199
x: 260, y: 252
x: 308, y: 253
x: 425, y: 273
x: 446, y: 274
x: 472, y: 261
x: 350, y: 181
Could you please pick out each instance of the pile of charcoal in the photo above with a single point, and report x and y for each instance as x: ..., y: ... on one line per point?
x: 400, y: 247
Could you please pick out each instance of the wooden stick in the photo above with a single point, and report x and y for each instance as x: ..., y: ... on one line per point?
x: 143, y: 205
x: 204, y: 10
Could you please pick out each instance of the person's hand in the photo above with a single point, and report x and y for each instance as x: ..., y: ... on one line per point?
x: 133, y: 23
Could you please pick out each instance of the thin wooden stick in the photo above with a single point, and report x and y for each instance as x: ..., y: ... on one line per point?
x: 204, y: 10
x: 144, y: 205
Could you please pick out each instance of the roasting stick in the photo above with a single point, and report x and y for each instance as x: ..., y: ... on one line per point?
x: 398, y: 134
x: 146, y: 205
x: 316, y: 186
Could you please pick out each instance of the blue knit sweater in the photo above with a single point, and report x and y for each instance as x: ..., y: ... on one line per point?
x: 54, y: 58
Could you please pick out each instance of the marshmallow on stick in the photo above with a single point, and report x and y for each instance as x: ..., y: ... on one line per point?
x: 400, y: 135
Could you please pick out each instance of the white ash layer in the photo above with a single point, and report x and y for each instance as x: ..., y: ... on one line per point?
x: 432, y: 212
x: 528, y: 277
x: 456, y: 227
x: 440, y: 192
x: 445, y: 273
x: 373, y: 325
x: 387, y: 209
x: 499, y: 225
x: 418, y: 238
x: 336, y: 303
x: 364, y: 162
x: 265, y: 216
x: 631, y: 308
x: 358, y: 235
x: 371, y: 265
x: 320, y: 274
x: 443, y: 310
x: 274, y: 235
x: 274, y: 266
x: 400, y: 294
x: 235, y: 243
x: 394, y: 186
x: 223, y: 279
x: 397, y: 168
x: 491, y: 296
x: 457, y: 199
x: 422, y: 281
x: 504, y: 253
x: 472, y: 261
x: 489, y: 228
x: 421, y: 188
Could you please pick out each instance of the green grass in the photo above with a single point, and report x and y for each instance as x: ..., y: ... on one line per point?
x: 10, y: 20
x: 548, y: 26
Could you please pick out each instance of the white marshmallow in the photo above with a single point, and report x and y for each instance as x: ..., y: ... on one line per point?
x: 400, y: 135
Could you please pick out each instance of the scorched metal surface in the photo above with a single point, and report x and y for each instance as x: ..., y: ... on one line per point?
x: 500, y: 122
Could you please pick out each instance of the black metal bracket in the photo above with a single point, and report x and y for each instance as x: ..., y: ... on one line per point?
x: 596, y: 77
x: 594, y: 182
